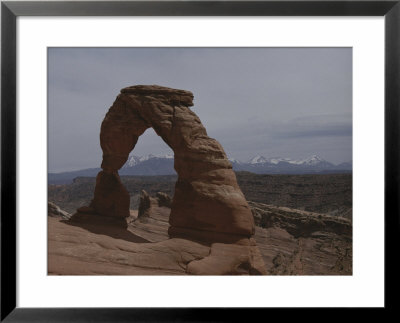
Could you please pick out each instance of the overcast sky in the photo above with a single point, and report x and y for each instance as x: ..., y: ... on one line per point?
x: 275, y: 102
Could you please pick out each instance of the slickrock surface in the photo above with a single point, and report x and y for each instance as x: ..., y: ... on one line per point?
x: 96, y: 245
x: 144, y: 248
x: 208, y: 203
x: 77, y: 251
x: 74, y: 250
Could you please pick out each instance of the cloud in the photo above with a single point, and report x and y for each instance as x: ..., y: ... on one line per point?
x: 316, y: 126
x: 250, y: 99
x: 331, y: 131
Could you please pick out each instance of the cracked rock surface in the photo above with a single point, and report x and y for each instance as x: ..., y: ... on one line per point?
x: 142, y: 246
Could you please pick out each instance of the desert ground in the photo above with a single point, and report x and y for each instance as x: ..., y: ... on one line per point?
x: 303, y: 226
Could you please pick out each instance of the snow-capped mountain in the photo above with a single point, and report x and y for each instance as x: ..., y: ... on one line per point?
x: 277, y: 160
x: 163, y: 165
x: 132, y: 161
x: 150, y: 165
x: 311, y: 160
x: 283, y: 165
x: 135, y: 160
x: 234, y: 161
x: 257, y: 160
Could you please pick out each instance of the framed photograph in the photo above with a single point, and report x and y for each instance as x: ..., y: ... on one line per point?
x: 178, y: 154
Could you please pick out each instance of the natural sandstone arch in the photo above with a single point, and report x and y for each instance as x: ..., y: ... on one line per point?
x: 208, y: 203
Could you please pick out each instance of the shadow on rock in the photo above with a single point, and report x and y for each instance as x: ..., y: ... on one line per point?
x: 112, y: 227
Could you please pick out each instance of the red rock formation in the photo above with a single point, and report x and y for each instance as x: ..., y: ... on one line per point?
x: 208, y: 203
x: 145, y: 204
x: 289, y: 242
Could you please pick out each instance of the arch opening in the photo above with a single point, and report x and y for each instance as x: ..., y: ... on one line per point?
x: 207, y: 203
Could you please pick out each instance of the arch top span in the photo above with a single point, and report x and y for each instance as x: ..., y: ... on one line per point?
x: 208, y: 203
x: 181, y: 97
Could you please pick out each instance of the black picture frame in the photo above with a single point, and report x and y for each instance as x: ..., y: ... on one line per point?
x: 10, y: 10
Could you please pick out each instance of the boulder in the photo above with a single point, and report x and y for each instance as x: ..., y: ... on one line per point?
x: 164, y: 199
x: 145, y: 204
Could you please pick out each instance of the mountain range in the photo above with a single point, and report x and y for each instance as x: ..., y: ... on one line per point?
x: 151, y: 165
x: 278, y: 165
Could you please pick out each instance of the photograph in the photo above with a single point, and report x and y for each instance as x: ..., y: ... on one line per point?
x: 168, y: 161
x: 200, y: 161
